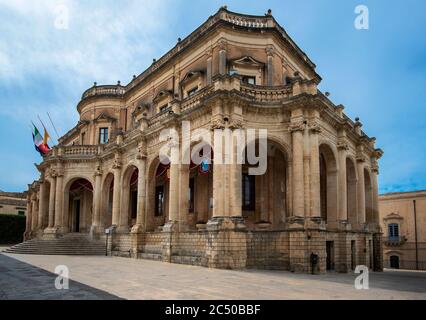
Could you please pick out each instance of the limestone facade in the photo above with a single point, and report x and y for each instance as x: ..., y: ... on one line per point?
x: 403, y: 221
x: 318, y: 195
x: 13, y: 203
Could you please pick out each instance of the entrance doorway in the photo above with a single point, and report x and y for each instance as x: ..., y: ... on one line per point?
x: 76, y: 215
x: 330, y: 255
x: 353, y: 255
x: 394, y: 262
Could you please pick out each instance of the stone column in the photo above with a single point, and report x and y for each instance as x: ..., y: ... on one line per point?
x: 34, y: 212
x: 307, y: 170
x: 235, y: 182
x: 96, y: 218
x: 315, y: 208
x: 361, y: 190
x: 141, y: 204
x: 342, y: 178
x: 52, y: 193
x: 296, y: 127
x: 116, y: 193
x: 28, y: 218
x: 42, y: 205
x: 269, y: 65
x: 209, y: 66
x: 222, y: 57
x: 174, y: 193
x: 374, y: 173
x: 59, y: 202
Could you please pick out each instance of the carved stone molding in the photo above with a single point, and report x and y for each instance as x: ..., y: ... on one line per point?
x: 314, y: 127
x: 270, y: 50
x: 222, y: 44
x: 360, y: 157
x: 342, y: 144
x: 297, y: 126
x: 217, y: 124
x: 236, y: 124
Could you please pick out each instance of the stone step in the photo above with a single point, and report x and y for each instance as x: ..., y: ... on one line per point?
x: 69, y: 244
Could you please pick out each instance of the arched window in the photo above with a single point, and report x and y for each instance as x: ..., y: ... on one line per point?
x: 393, y: 231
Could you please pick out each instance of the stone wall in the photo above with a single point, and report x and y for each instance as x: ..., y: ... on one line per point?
x: 268, y: 250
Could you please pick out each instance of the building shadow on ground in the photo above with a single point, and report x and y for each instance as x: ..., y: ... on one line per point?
x: 23, y: 281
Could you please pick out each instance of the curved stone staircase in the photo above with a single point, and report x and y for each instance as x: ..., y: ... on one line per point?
x: 69, y: 244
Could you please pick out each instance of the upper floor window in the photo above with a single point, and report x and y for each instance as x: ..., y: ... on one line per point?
x: 164, y: 107
x: 393, y: 230
x: 103, y: 135
x: 192, y: 91
x: 249, y: 80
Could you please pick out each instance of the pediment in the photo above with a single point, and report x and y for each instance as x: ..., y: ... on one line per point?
x: 162, y: 94
x: 247, y: 61
x: 393, y: 215
x: 192, y: 75
x: 104, y: 117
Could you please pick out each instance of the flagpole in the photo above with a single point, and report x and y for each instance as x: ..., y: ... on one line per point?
x: 56, y: 131
x: 44, y: 127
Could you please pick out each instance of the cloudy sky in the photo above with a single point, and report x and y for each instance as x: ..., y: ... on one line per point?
x: 47, y: 60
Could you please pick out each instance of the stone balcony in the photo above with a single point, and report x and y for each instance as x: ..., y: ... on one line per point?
x: 75, y: 151
x: 394, y: 241
x: 104, y: 90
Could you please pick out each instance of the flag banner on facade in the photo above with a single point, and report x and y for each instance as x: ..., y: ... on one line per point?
x: 40, y: 143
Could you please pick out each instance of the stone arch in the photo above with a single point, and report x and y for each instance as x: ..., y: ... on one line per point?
x: 107, y: 199
x: 271, y: 189
x: 328, y: 183
x: 129, y: 190
x: 78, y: 204
x: 196, y: 204
x: 351, y: 190
x: 157, y: 182
x: 368, y: 188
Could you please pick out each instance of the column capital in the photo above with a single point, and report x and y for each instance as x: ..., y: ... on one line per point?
x: 314, y: 126
x: 342, y: 144
x: 298, y: 125
x: 270, y: 50
x: 222, y: 44
x: 98, y: 171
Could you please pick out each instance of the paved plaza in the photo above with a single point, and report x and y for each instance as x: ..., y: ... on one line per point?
x: 97, y: 277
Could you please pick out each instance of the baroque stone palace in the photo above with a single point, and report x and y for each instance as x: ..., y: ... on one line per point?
x: 319, y: 194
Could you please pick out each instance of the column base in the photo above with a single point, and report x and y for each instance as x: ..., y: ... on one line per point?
x: 175, y: 226
x: 226, y: 223
x: 51, y: 233
x: 137, y: 228
x: 227, y: 243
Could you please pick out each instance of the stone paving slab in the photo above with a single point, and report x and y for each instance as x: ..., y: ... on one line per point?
x: 23, y: 281
x: 145, y: 279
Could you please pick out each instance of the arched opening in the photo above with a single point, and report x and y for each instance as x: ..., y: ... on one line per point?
x: 80, y: 205
x: 264, y: 197
x: 368, y: 197
x: 129, y: 196
x: 328, y: 184
x: 158, y: 194
x: 106, y: 201
x: 200, y: 185
x: 351, y: 195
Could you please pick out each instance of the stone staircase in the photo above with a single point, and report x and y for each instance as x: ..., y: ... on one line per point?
x: 69, y: 244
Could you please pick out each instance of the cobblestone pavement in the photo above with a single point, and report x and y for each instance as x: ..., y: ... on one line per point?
x: 144, y: 279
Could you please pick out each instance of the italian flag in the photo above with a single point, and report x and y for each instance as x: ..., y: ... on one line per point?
x: 40, y: 144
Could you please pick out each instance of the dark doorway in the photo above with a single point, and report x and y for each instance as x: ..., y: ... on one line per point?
x: 353, y: 255
x: 330, y: 255
x: 394, y: 262
x: 77, y: 215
